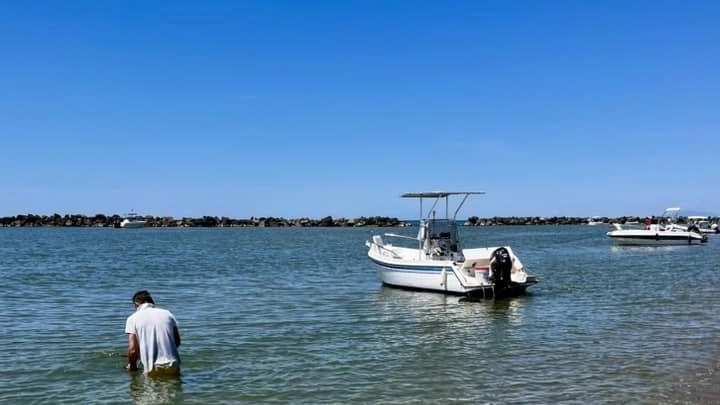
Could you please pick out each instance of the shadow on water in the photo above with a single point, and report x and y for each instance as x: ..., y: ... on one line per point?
x: 146, y: 390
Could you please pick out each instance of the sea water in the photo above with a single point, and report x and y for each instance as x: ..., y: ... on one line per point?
x: 298, y: 316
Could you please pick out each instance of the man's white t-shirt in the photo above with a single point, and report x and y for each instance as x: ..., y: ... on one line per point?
x: 154, y: 328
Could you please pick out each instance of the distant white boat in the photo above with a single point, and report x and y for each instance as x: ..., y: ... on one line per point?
x: 592, y: 221
x: 133, y: 220
x: 703, y: 224
x: 654, y: 233
x: 438, y: 263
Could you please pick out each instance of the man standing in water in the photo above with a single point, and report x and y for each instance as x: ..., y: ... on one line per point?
x: 153, y: 338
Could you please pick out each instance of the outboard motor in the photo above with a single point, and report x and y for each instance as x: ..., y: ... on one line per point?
x: 501, y: 265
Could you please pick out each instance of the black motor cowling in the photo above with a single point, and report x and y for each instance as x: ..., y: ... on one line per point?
x: 501, y: 265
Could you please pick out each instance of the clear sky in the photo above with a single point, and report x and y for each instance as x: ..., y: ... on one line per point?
x: 313, y: 108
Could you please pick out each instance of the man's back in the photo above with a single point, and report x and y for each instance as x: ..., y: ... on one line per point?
x: 156, y: 331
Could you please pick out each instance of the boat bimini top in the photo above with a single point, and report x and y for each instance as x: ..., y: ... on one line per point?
x: 437, y: 195
x: 438, y: 237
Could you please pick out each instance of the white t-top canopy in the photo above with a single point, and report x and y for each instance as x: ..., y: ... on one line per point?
x: 439, y: 194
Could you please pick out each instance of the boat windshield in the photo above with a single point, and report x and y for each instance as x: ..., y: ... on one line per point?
x: 441, y: 228
x: 441, y: 236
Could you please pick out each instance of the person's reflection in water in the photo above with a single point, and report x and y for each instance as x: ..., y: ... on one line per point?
x: 146, y: 390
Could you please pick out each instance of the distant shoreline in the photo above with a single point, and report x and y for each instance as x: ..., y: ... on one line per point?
x: 104, y: 221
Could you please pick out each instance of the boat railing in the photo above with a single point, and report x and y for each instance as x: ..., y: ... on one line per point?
x: 394, y: 235
x: 630, y: 225
x: 377, y: 240
x: 417, y: 239
x: 460, y: 275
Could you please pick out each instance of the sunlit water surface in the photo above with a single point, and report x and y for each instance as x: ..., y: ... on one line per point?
x: 293, y: 315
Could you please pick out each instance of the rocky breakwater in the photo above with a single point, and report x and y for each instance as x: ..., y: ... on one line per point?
x: 103, y: 221
x: 476, y: 221
x: 495, y: 221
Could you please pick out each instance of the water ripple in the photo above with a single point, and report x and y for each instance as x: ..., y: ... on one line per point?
x: 298, y: 316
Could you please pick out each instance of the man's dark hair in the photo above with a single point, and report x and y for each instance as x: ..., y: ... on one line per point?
x: 143, y: 297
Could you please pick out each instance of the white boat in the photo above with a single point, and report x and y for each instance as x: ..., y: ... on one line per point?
x: 703, y: 224
x: 595, y: 221
x: 132, y: 220
x: 661, y: 231
x: 438, y: 263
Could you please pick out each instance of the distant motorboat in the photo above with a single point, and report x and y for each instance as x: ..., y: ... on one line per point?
x: 133, y: 220
x: 438, y: 263
x: 703, y: 224
x: 654, y: 233
x: 592, y: 221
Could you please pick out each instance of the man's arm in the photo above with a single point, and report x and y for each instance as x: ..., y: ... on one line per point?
x: 133, y: 351
x: 176, y: 335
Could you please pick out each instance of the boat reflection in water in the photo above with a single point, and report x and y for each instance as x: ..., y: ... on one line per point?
x: 450, y: 313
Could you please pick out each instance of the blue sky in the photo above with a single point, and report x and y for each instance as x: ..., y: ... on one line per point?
x: 307, y: 109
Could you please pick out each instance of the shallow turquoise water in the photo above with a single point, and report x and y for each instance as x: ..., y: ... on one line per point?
x: 297, y: 315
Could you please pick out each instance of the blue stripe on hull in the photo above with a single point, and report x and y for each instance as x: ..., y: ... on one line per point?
x: 410, y: 269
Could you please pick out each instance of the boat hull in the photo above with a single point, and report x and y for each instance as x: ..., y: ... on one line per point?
x: 656, y: 239
x: 421, y: 277
x: 132, y: 224
x: 442, y: 276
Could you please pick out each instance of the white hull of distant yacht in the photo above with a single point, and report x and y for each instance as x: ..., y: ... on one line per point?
x: 126, y: 223
x: 628, y: 237
x: 664, y: 230
x: 702, y: 224
x: 655, y: 236
x: 133, y: 220
x: 594, y: 221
